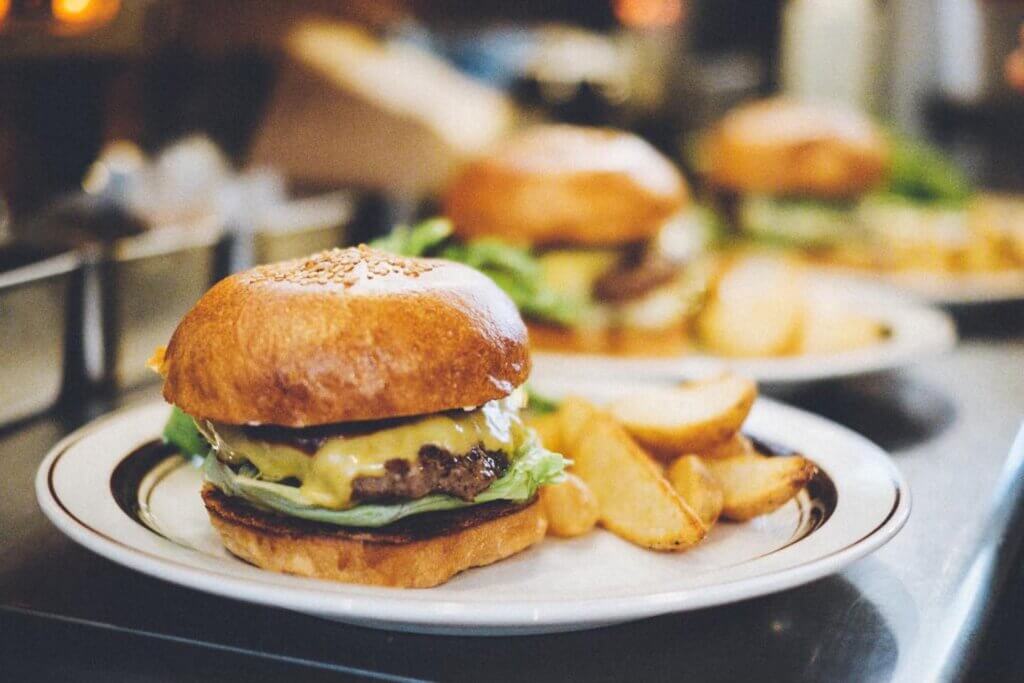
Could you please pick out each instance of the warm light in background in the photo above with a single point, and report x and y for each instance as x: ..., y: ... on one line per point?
x: 5, y: 7
x: 84, y: 12
x: 648, y: 12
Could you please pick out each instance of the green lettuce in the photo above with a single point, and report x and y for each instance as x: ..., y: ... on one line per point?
x: 539, y: 403
x: 512, y: 268
x: 180, y: 431
x: 532, y: 467
x: 922, y: 174
x: 418, y: 240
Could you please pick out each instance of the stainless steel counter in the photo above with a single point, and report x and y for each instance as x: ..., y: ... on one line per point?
x: 913, y: 611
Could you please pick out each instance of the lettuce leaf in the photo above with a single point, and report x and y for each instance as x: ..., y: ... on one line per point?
x: 181, y: 432
x: 922, y: 174
x: 417, y: 240
x: 512, y: 268
x: 539, y: 403
x: 532, y: 467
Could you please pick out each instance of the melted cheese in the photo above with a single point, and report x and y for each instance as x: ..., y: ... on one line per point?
x: 326, y: 476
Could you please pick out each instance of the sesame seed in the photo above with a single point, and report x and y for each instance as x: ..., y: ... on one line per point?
x: 340, y: 266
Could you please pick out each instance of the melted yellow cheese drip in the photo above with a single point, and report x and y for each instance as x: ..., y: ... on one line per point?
x: 326, y: 476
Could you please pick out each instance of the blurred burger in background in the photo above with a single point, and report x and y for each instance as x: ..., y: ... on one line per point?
x: 831, y: 182
x: 793, y: 172
x: 589, y: 230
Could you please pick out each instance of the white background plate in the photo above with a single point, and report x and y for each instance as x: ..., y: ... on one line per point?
x: 950, y: 289
x: 557, y: 585
x: 918, y: 332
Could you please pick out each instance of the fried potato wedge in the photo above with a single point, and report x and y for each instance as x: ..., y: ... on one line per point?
x: 756, y: 484
x: 548, y: 427
x: 636, y: 502
x: 573, y: 416
x: 687, y: 419
x: 831, y: 330
x: 737, y: 444
x: 570, y: 507
x: 693, y: 481
x: 756, y: 310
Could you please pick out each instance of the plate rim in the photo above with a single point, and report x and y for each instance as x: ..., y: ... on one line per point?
x: 897, y: 311
x: 453, y: 614
x: 930, y: 288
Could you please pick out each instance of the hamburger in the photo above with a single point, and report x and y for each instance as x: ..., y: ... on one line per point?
x: 794, y: 172
x: 830, y: 181
x: 362, y: 413
x: 573, y: 223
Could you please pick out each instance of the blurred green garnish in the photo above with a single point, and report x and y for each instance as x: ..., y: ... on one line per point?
x: 512, y: 268
x: 539, y: 403
x: 921, y: 173
x: 417, y: 240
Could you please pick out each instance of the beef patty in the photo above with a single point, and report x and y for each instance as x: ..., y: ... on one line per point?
x: 637, y: 274
x: 437, y: 471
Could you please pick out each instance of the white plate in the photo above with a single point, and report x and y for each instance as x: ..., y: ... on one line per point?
x: 916, y: 333
x: 142, y: 509
x: 946, y: 289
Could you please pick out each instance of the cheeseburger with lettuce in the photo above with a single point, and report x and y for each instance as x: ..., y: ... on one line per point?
x: 362, y: 416
x: 830, y: 181
x: 794, y: 172
x: 589, y: 230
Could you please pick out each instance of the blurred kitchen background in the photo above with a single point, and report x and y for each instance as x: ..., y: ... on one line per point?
x: 150, y: 146
x: 384, y: 95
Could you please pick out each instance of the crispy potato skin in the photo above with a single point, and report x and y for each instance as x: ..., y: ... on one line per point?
x: 737, y: 444
x: 694, y: 482
x: 756, y: 309
x: 827, y: 332
x: 687, y: 419
x: 636, y: 502
x: 570, y: 507
x: 574, y: 415
x: 667, y: 496
x: 756, y: 485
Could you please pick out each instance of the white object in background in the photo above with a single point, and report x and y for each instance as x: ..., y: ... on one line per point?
x: 829, y: 50
x: 961, y: 61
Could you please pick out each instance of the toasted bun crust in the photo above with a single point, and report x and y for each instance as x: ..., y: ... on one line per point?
x: 345, y: 335
x: 567, y: 184
x: 417, y: 552
x: 782, y: 147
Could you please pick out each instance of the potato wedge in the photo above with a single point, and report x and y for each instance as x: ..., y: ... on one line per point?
x: 756, y: 484
x: 636, y: 502
x: 570, y: 506
x: 737, y: 444
x: 687, y: 419
x: 755, y: 310
x: 548, y: 427
x: 573, y: 415
x: 692, y: 480
x: 831, y: 330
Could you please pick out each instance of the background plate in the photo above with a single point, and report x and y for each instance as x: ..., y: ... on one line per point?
x: 948, y: 289
x: 917, y: 332
x: 558, y: 585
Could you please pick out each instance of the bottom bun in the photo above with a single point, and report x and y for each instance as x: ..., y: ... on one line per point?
x: 417, y: 552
